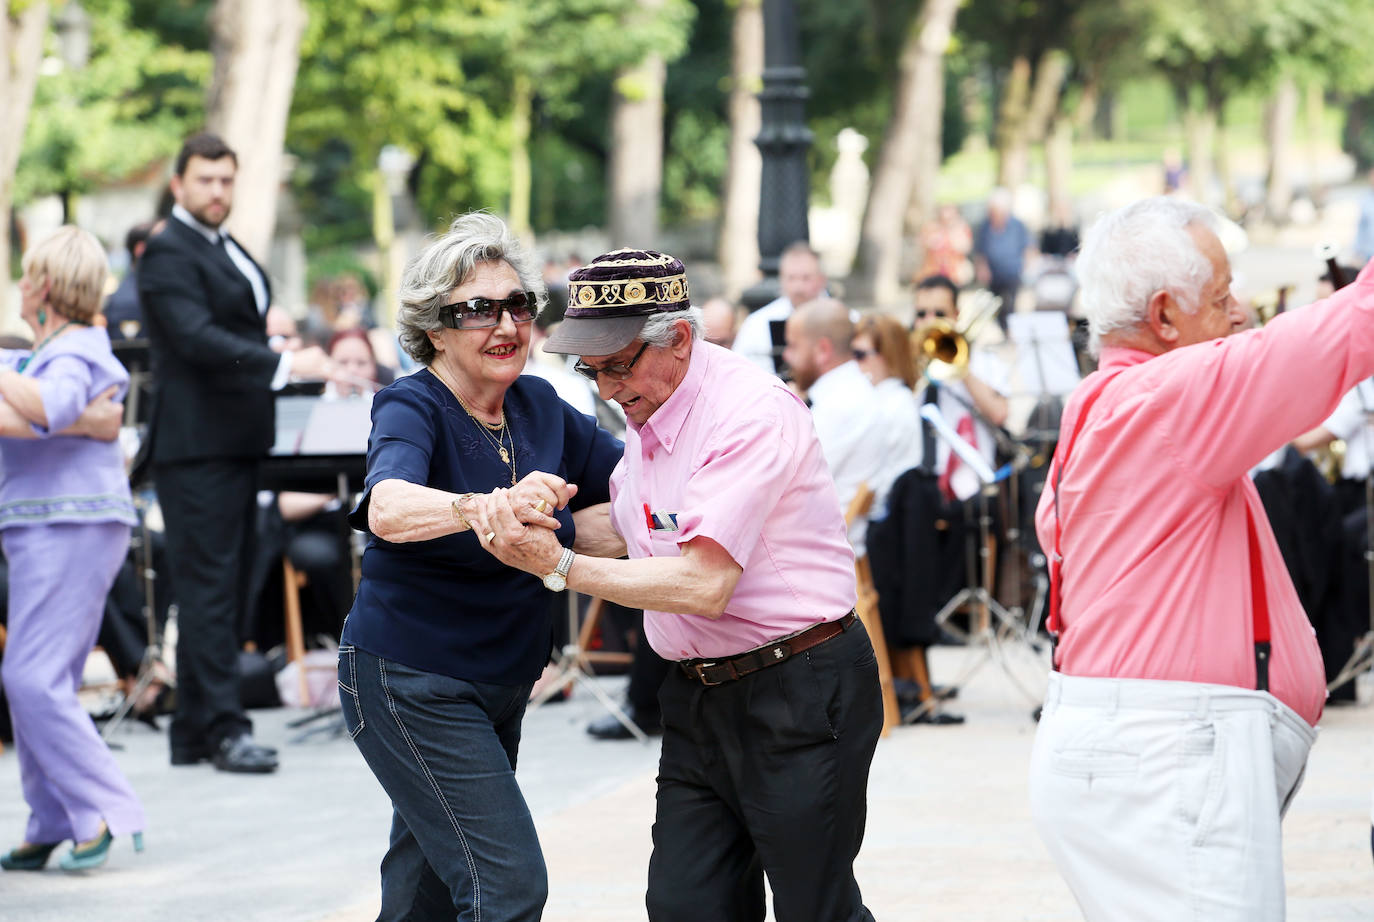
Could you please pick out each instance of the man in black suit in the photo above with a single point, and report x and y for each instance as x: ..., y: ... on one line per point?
x: 212, y: 420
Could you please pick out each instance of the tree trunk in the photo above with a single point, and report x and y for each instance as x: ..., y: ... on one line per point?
x: 1216, y: 114
x: 1012, y: 145
x: 1085, y: 113
x: 738, y: 250
x: 1282, y: 119
x: 910, y: 157
x: 521, y: 102
x: 256, y: 45
x: 1059, y: 160
x: 635, y: 178
x: 1050, y: 73
x: 21, y: 42
x: 1198, y: 131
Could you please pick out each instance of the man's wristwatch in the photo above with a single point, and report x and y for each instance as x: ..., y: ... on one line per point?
x: 557, y: 581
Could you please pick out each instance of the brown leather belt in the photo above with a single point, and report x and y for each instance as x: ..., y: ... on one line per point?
x: 717, y: 672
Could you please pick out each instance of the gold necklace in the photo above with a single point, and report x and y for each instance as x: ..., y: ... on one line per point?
x: 503, y: 434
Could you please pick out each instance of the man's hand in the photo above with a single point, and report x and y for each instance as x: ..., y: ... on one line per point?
x: 100, y: 420
x: 312, y: 363
x: 538, y: 495
x: 525, y: 547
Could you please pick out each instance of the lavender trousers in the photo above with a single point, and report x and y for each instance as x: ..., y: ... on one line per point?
x: 59, y: 577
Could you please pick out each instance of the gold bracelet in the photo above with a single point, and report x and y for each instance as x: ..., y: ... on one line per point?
x: 458, y: 510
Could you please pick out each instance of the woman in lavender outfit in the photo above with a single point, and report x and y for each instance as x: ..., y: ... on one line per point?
x: 65, y: 518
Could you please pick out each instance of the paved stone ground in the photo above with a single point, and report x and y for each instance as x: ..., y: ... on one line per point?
x: 949, y: 832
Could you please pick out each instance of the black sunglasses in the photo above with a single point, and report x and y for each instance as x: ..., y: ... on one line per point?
x: 617, y: 372
x: 483, y: 313
x: 861, y: 354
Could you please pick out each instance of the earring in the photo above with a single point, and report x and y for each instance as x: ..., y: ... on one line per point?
x: 42, y: 316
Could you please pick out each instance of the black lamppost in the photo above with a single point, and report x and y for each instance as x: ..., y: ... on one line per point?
x: 783, y: 141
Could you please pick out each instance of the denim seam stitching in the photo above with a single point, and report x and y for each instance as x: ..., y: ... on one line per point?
x: 438, y: 793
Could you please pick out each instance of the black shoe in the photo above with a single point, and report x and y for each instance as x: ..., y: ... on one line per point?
x: 190, y: 755
x: 241, y: 755
x: 608, y: 728
x: 928, y: 716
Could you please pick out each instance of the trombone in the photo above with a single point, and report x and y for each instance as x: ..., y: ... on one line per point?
x: 943, y: 349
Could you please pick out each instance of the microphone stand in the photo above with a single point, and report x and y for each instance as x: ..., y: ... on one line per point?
x: 1000, y: 627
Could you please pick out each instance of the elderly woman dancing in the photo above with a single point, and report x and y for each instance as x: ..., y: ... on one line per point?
x: 65, y: 516
x: 444, y: 642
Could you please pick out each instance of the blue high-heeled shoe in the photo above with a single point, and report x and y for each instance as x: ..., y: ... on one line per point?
x: 27, y: 857
x: 93, y: 855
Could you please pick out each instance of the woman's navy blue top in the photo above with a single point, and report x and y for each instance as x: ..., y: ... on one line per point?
x: 446, y: 605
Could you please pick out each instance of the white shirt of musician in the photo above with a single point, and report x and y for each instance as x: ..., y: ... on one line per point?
x: 954, y: 403
x: 844, y: 409
x: 1353, y: 422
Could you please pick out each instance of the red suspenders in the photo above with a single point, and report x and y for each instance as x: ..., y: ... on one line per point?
x: 1259, y: 598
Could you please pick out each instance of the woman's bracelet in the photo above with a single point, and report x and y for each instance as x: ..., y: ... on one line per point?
x: 458, y: 510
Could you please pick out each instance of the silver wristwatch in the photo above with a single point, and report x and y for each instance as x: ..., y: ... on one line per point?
x: 557, y: 581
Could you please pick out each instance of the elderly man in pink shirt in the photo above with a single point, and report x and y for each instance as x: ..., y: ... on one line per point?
x: 1189, y: 683
x: 738, y: 556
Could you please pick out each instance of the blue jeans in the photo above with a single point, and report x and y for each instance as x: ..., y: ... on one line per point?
x: 462, y: 840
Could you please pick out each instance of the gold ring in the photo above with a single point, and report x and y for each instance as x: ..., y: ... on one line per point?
x: 541, y: 506
x: 489, y: 537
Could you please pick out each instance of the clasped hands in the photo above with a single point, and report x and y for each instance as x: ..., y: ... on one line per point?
x: 516, y: 524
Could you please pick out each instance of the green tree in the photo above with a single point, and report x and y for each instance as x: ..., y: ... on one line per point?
x: 131, y: 104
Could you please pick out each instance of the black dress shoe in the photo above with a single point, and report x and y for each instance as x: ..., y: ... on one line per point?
x: 190, y: 755
x: 939, y: 718
x: 194, y: 755
x: 608, y: 728
x: 241, y: 755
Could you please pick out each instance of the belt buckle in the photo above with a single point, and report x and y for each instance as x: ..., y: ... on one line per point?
x: 700, y: 670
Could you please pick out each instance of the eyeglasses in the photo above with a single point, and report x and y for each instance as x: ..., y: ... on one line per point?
x: 861, y: 354
x: 922, y: 313
x: 617, y: 372
x: 483, y: 313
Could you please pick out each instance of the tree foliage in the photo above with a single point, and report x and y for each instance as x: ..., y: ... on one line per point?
x: 130, y: 105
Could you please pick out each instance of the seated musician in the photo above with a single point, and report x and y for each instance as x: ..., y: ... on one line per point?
x: 844, y: 407
x: 973, y: 404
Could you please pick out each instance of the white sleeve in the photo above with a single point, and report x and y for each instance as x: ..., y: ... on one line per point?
x: 1348, y: 418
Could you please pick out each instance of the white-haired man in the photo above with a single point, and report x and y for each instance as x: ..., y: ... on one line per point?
x: 1188, y: 682
x: 738, y: 556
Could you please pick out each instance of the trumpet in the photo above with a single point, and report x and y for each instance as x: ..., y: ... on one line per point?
x: 944, y: 350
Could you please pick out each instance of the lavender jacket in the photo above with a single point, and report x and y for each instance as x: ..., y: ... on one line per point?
x: 65, y: 479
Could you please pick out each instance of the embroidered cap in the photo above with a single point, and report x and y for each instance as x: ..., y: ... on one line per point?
x: 609, y: 300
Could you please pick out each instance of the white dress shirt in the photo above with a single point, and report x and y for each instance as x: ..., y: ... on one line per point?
x: 754, y: 341
x: 844, y: 409
x: 901, y: 427
x: 1351, y: 422
x: 954, y: 403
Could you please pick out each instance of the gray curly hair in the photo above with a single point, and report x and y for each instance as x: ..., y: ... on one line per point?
x: 430, y: 278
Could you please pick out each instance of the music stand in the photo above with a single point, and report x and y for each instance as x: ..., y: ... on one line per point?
x: 1003, y: 627
x: 574, y: 665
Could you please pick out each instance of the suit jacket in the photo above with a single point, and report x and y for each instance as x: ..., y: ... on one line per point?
x: 211, y: 366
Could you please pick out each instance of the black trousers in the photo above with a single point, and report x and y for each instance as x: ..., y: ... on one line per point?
x: 767, y: 775
x: 209, y: 509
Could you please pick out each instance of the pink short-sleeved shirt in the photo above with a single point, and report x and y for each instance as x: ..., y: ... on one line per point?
x: 732, y: 456
x: 1156, y: 493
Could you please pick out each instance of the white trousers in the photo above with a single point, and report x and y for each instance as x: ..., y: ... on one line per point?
x: 1162, y: 800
